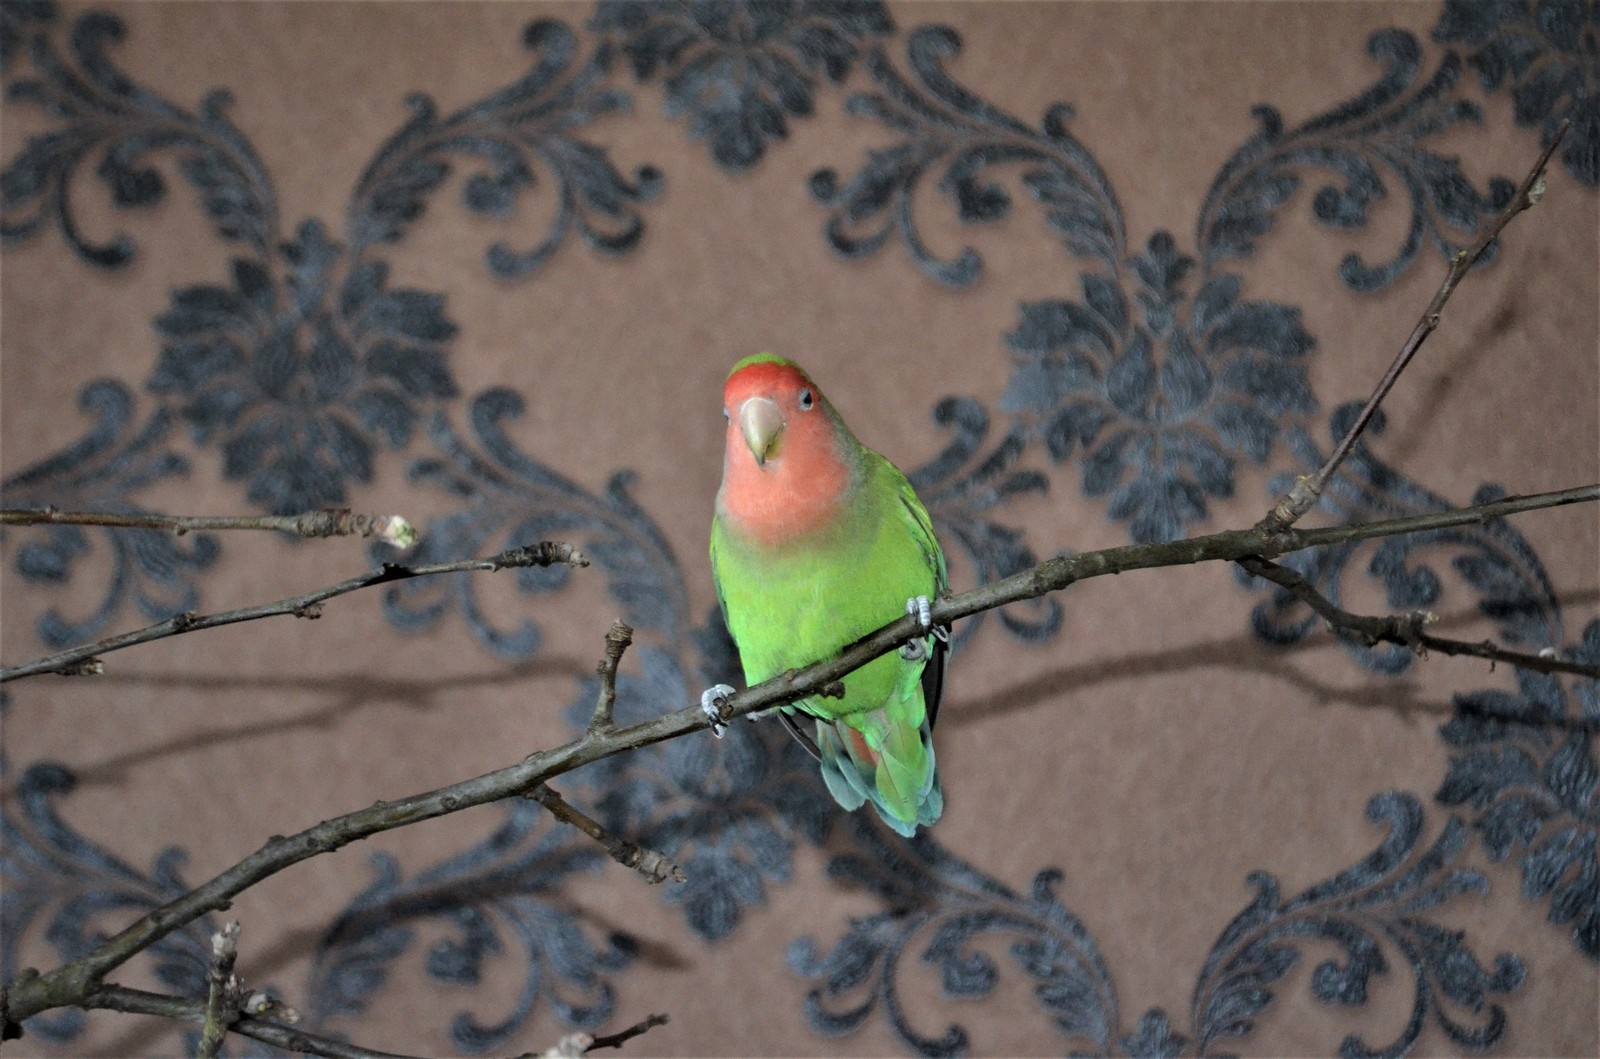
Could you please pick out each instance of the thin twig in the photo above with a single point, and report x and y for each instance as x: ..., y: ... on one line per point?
x: 137, y: 1001
x: 306, y: 605
x: 222, y: 992
x: 580, y: 1044
x: 111, y: 997
x: 617, y: 641
x: 1407, y: 630
x: 571, y: 1046
x: 67, y: 985
x: 1304, y: 494
x: 618, y: 1039
x: 654, y: 866
x: 330, y: 522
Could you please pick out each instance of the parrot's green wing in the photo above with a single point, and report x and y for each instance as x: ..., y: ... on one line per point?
x: 883, y: 753
x: 922, y: 528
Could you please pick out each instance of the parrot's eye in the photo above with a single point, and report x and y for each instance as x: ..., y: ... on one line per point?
x: 726, y: 418
x: 806, y: 400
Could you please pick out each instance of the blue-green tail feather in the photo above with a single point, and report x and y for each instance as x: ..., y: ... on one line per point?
x: 900, y: 780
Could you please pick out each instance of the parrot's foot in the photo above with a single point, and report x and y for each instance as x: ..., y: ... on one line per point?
x: 920, y: 608
x: 713, y: 701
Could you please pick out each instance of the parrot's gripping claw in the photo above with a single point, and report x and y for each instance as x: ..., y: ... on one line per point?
x: 920, y: 608
x: 713, y: 701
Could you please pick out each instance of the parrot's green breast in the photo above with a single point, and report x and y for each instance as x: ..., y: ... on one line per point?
x: 791, y: 605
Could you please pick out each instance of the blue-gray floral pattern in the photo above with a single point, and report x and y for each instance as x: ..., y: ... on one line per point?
x: 739, y: 73
x: 1546, y: 53
x: 1145, y: 385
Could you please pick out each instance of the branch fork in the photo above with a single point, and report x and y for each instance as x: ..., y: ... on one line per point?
x: 227, y: 999
x: 1307, y: 490
x: 618, y: 640
x: 307, y: 605
x: 653, y: 865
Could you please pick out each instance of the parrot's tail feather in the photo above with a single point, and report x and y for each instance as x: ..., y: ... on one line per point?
x: 898, y: 778
x: 845, y: 781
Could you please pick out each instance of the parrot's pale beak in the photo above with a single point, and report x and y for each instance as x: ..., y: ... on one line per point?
x: 760, y: 421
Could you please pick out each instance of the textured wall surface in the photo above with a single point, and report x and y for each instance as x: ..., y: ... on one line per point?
x: 1090, y: 273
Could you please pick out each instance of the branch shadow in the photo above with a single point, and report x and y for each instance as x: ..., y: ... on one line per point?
x: 350, y: 693
x: 1446, y: 370
x: 1407, y: 696
x: 1402, y: 696
x: 301, y: 945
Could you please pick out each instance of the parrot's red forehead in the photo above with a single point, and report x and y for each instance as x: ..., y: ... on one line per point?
x: 763, y: 377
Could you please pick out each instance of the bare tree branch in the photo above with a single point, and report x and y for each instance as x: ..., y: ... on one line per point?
x: 32, y: 992
x: 85, y: 659
x: 1303, y: 496
x: 576, y: 1045
x: 617, y: 641
x: 654, y: 866
x: 137, y: 1001
x: 616, y: 1040
x: 111, y: 997
x: 222, y: 1008
x: 330, y: 522
x: 1407, y: 630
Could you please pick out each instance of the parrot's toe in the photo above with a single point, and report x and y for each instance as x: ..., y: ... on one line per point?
x: 713, y: 701
x: 920, y: 608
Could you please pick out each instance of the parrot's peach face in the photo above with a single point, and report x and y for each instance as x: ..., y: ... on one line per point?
x: 785, y: 470
x: 771, y: 408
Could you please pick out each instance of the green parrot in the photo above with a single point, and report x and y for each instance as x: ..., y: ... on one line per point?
x: 816, y: 542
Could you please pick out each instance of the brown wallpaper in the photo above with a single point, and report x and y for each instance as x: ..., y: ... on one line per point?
x: 1153, y: 750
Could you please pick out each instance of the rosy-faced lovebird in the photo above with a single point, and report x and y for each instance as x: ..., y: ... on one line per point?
x: 816, y: 542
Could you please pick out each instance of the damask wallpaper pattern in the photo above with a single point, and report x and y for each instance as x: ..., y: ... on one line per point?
x: 1090, y: 273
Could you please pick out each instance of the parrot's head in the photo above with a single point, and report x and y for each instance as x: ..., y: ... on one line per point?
x: 787, y: 457
x: 771, y: 405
